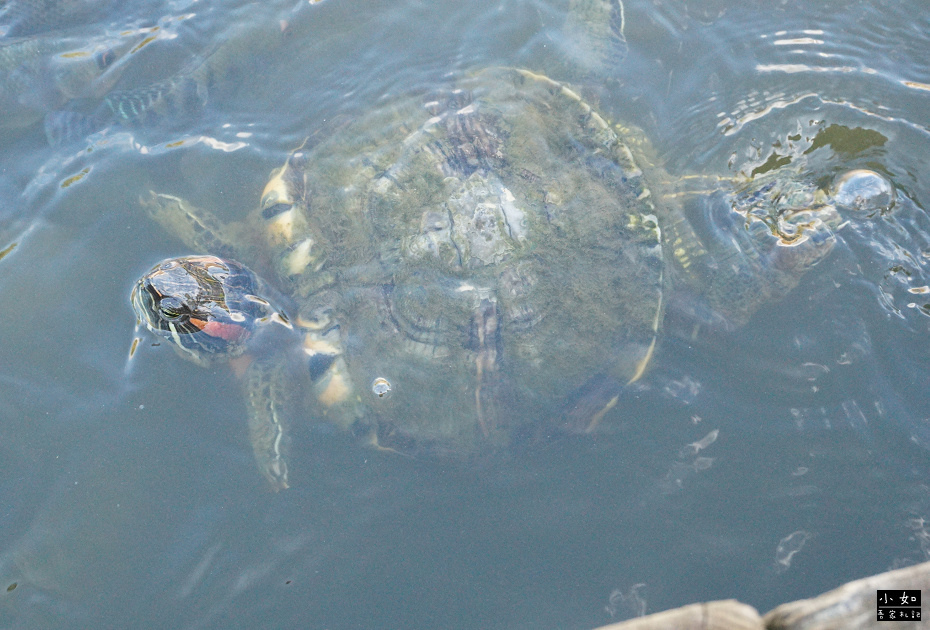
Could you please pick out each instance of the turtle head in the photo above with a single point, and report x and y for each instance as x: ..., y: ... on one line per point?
x: 800, y: 219
x: 206, y: 306
x: 790, y: 221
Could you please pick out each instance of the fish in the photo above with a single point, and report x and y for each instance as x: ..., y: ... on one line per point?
x: 40, y: 75
x: 179, y: 98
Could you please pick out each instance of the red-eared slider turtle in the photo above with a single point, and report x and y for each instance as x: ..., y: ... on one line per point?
x: 461, y: 267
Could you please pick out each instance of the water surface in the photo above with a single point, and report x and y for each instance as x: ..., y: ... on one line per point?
x: 768, y: 464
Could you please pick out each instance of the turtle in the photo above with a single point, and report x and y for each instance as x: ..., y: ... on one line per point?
x: 449, y: 272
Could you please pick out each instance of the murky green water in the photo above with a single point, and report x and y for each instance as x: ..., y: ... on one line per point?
x: 767, y: 464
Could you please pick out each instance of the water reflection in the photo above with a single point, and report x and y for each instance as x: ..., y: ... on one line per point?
x: 774, y: 461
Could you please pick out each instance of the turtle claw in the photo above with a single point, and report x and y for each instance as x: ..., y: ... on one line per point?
x: 276, y: 474
x: 386, y: 438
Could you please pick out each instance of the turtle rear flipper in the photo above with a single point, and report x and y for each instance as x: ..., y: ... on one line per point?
x: 587, y: 406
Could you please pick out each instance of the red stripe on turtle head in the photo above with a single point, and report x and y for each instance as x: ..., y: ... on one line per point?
x: 221, y: 330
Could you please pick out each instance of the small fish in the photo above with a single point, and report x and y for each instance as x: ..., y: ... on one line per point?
x: 184, y: 95
x: 64, y: 126
x: 39, y: 75
x: 178, y: 98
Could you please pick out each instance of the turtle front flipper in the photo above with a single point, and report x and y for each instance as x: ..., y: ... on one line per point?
x: 196, y: 228
x: 265, y: 391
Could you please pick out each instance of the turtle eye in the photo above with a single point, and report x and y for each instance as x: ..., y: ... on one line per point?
x: 172, y: 309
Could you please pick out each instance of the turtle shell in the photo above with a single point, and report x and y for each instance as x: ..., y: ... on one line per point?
x: 483, y: 253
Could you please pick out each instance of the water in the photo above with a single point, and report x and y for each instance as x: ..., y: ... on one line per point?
x: 767, y: 464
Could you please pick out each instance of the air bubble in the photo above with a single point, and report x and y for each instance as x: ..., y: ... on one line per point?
x: 381, y: 387
x: 863, y: 190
